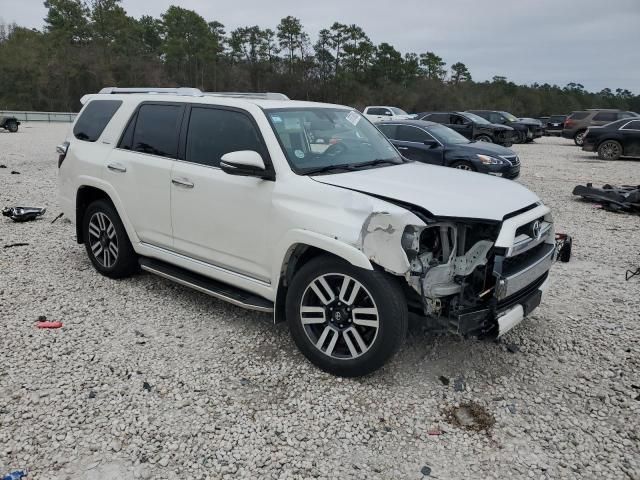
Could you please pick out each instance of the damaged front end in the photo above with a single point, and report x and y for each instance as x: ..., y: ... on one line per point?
x: 470, y: 278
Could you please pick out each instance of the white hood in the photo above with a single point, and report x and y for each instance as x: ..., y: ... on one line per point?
x: 443, y: 191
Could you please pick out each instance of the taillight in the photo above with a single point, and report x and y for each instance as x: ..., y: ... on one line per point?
x: 568, y: 123
x: 62, y: 150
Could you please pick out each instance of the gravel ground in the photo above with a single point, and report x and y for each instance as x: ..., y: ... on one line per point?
x: 148, y: 379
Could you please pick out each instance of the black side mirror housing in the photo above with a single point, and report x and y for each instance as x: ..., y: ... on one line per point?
x: 431, y: 143
x: 246, y: 164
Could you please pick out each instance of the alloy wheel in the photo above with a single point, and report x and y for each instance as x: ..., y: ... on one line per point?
x: 339, y: 316
x: 103, y: 239
x: 579, y: 138
x: 610, y: 151
x: 464, y: 166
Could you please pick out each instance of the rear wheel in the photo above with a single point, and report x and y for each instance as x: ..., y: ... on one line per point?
x: 107, y: 242
x: 462, y: 165
x: 346, y: 320
x: 484, y: 138
x: 610, y: 150
x: 12, y: 126
x: 520, y: 137
x: 578, y: 138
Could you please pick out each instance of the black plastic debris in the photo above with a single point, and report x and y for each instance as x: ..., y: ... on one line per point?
x: 58, y: 217
x: 445, y: 381
x: 11, y: 245
x: 459, y: 385
x: 146, y: 386
x: 630, y: 273
x: 425, y: 471
x: 512, y: 348
x: 625, y: 198
x: 3, y: 166
x: 23, y: 214
x: 564, y: 243
x: 15, y: 172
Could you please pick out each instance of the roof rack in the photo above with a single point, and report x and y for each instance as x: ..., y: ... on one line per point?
x: 258, y: 96
x: 187, y: 92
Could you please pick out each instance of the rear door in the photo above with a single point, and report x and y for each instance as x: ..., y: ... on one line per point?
x: 219, y: 218
x: 631, y: 138
x: 140, y: 169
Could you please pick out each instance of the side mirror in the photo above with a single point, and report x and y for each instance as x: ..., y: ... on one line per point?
x: 245, y: 163
x: 388, y: 113
x: 431, y: 143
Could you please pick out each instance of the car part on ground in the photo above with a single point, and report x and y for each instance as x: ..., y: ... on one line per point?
x: 23, y: 214
x: 625, y: 198
x: 526, y: 130
x: 576, y: 124
x: 473, y: 127
x: 614, y: 140
x: 9, y: 123
x: 629, y: 274
x: 437, y: 144
x: 564, y: 243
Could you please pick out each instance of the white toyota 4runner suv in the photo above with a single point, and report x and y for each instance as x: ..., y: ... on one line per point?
x: 304, y: 210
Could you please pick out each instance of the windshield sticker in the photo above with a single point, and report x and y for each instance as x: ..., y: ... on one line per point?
x: 299, y: 154
x: 353, y: 118
x: 276, y: 119
x: 292, y: 124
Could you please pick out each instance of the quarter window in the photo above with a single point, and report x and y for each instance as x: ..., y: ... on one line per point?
x: 408, y: 133
x: 94, y: 119
x: 215, y: 132
x: 156, y: 130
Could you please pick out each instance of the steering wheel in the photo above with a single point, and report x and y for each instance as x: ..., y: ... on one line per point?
x: 336, y: 149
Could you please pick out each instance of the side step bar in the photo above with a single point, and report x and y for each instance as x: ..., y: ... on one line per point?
x: 206, y: 285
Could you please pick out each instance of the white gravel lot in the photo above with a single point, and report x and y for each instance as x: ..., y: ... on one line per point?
x: 148, y: 379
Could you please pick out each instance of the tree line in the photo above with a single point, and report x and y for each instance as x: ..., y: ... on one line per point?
x: 89, y: 44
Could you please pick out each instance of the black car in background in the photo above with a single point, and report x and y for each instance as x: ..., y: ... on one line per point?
x: 555, y: 124
x: 436, y: 144
x: 526, y: 130
x: 471, y: 126
x: 614, y: 140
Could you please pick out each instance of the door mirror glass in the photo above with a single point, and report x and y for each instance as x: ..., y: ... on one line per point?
x: 246, y: 163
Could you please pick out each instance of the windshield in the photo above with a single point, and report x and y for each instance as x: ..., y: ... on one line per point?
x: 509, y: 117
x: 398, y: 111
x: 320, y: 138
x: 446, y: 135
x: 477, y: 118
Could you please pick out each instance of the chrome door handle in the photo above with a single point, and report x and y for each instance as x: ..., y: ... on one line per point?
x: 403, y: 148
x: 116, y: 167
x: 182, y: 182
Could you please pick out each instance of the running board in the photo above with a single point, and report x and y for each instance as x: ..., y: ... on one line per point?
x: 203, y: 284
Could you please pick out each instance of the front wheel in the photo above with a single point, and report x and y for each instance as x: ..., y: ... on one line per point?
x: 484, y: 138
x: 12, y: 126
x: 346, y: 320
x: 521, y: 137
x: 610, y: 150
x: 462, y: 165
x: 107, y: 242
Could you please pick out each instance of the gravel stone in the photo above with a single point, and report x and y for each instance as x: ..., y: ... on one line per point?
x: 231, y: 396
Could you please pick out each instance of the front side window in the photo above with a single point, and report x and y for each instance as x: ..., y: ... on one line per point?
x: 476, y: 118
x: 214, y: 132
x: 317, y: 138
x: 496, y: 118
x: 509, y: 117
x: 94, y: 119
x: 156, y: 130
x: 407, y: 133
x: 439, y: 118
x: 389, y: 130
x: 447, y: 136
x: 398, y: 111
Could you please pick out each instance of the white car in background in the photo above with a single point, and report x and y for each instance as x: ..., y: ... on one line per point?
x: 304, y: 210
x: 381, y: 114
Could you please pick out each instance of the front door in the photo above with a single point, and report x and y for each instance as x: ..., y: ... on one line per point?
x: 410, y: 141
x: 219, y: 218
x: 461, y: 125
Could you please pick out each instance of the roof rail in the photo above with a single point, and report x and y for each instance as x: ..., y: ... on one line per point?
x: 259, y: 96
x: 183, y: 91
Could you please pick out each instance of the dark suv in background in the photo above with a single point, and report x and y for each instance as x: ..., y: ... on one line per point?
x: 472, y: 126
x: 525, y: 130
x: 555, y: 124
x: 576, y: 125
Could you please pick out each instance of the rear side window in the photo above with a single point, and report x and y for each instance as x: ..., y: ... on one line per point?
x: 605, y: 117
x: 214, y: 132
x: 94, y: 119
x: 378, y: 111
x: 388, y: 130
x: 635, y: 125
x: 579, y: 115
x: 626, y: 115
x: 443, y: 118
x: 157, y: 129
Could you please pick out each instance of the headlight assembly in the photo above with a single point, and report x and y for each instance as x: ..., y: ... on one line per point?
x: 489, y: 160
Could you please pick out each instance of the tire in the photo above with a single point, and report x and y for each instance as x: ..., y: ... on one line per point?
x: 107, y: 242
x: 578, y: 138
x: 463, y: 165
x: 324, y: 333
x: 521, y: 137
x: 12, y: 126
x: 484, y: 138
x: 610, y: 150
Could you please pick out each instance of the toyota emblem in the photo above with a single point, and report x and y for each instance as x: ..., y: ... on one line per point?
x: 536, y: 229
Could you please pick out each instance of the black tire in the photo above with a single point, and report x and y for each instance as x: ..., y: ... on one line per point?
x: 484, y: 138
x: 383, y: 293
x: 578, y: 138
x: 122, y: 263
x: 12, y: 126
x: 464, y: 165
x: 521, y: 137
x: 610, y: 150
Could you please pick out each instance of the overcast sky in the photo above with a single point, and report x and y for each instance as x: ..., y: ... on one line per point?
x: 593, y: 42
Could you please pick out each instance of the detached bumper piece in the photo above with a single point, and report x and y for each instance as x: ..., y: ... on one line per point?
x: 625, y: 198
x: 23, y: 214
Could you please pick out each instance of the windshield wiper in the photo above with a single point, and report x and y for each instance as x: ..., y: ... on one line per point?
x: 349, y: 167
x: 373, y: 163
